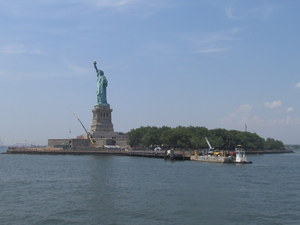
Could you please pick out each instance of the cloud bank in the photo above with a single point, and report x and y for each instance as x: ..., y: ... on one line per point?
x: 297, y: 85
x: 273, y: 104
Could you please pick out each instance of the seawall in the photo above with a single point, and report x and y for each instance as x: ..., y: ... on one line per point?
x: 176, y: 154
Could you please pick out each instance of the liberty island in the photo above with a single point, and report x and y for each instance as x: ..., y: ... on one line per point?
x: 101, y: 138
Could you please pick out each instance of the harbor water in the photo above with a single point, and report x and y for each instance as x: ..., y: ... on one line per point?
x: 122, y: 190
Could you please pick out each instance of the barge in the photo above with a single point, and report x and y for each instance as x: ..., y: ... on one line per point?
x: 215, y: 156
x: 238, y: 156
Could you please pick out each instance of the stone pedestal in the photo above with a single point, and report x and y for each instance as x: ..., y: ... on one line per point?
x: 102, y: 126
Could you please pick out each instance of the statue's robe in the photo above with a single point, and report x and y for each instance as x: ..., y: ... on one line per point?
x: 101, y: 89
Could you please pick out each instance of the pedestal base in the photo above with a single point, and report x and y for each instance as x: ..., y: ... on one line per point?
x: 102, y: 126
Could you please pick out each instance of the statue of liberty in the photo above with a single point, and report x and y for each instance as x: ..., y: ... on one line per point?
x: 101, y: 86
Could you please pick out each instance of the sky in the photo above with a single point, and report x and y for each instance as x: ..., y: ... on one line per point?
x: 217, y: 64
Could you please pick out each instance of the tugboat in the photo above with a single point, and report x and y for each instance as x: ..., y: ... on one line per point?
x: 240, y: 155
x: 211, y: 155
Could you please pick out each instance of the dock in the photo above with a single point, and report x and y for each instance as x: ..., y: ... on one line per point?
x: 177, y: 154
x: 173, y: 155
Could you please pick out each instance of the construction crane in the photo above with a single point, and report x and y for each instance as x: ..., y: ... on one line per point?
x: 210, y: 148
x: 89, y: 136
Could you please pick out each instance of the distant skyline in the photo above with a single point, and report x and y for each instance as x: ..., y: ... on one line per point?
x: 217, y: 64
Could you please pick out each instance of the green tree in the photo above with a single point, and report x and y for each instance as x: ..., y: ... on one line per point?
x: 135, y: 137
x: 270, y: 143
x: 194, y: 137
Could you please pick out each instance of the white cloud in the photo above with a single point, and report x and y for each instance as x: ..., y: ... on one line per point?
x: 112, y: 3
x: 213, y: 50
x: 258, y: 120
x: 289, y: 109
x: 297, y: 85
x: 144, y: 5
x: 61, y: 8
x: 213, y: 42
x: 244, y: 108
x: 229, y: 11
x: 273, y: 104
x: 240, y: 115
x: 227, y: 35
x: 244, y: 114
x: 139, y: 8
x: 18, y: 49
x: 98, y: 3
x: 286, y: 121
x: 284, y: 128
x: 241, y: 12
x: 78, y: 70
x: 2, y: 74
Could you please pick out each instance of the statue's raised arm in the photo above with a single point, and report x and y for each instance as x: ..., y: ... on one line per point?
x: 95, y: 65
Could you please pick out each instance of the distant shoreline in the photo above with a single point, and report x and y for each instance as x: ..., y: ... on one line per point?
x: 102, y: 151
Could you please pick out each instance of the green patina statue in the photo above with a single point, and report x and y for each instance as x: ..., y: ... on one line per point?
x: 101, y: 86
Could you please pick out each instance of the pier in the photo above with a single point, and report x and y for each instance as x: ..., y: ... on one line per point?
x: 164, y: 154
x: 177, y: 154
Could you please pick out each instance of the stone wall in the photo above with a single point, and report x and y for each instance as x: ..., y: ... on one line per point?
x: 100, y: 142
x: 58, y: 143
x: 63, y: 143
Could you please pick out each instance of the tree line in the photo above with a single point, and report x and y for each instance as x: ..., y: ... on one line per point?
x: 194, y: 137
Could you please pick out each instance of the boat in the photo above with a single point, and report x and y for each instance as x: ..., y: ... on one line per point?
x: 212, y: 158
x: 238, y: 156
